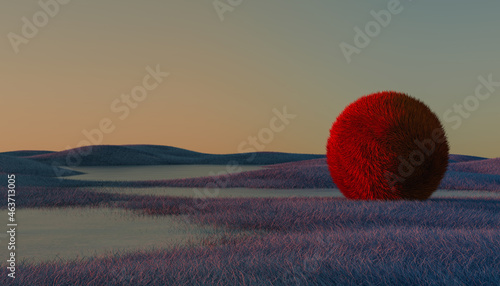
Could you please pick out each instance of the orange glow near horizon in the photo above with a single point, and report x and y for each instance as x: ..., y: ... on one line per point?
x: 227, y: 77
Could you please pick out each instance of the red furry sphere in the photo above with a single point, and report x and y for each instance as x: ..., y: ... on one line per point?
x: 387, y: 146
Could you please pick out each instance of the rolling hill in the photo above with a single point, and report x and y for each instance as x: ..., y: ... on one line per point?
x: 282, y: 170
x: 133, y: 155
x: 17, y: 165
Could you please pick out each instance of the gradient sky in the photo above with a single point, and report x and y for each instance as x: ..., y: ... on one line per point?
x: 226, y: 77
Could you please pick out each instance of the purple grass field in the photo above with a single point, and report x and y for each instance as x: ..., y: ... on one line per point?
x: 305, y: 242
x: 271, y: 241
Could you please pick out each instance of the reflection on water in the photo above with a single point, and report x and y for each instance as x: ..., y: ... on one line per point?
x: 268, y: 193
x: 222, y: 193
x: 162, y: 172
x: 48, y: 234
x: 166, y: 172
x: 67, y: 233
x: 464, y: 194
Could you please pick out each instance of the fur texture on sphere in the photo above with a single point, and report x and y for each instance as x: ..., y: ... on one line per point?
x: 387, y: 146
